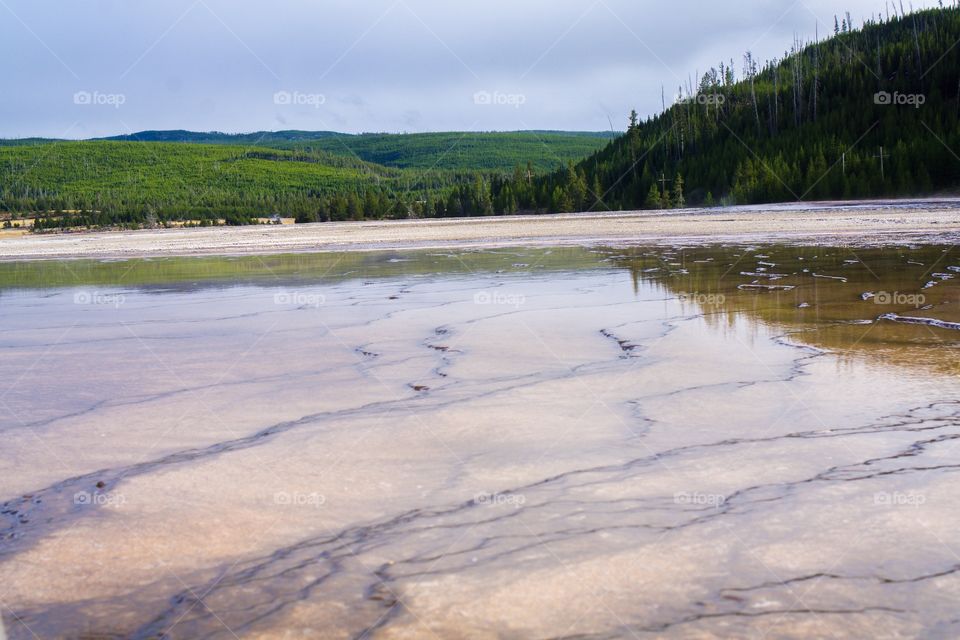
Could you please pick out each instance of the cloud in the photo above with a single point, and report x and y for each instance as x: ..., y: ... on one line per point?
x: 380, y: 65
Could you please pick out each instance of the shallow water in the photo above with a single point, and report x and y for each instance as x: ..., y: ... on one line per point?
x: 706, y: 442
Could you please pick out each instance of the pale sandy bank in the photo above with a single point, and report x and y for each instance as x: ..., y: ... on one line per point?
x: 842, y: 223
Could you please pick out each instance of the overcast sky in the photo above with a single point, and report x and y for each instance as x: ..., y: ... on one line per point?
x: 84, y: 68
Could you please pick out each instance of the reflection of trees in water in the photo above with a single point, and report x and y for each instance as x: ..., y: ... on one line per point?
x: 194, y: 273
x: 822, y: 311
x: 817, y: 294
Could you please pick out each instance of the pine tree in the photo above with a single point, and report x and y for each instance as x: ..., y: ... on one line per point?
x: 665, y: 202
x: 576, y: 188
x: 560, y: 201
x: 653, y: 200
x: 678, y: 200
x: 454, y: 204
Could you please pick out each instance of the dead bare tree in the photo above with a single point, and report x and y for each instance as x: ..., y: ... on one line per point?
x: 879, y: 66
x: 750, y: 71
x: 916, y: 41
x: 776, y: 99
x: 797, y: 69
x: 816, y: 70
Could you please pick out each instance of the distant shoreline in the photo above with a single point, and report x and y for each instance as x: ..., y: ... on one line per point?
x: 846, y: 223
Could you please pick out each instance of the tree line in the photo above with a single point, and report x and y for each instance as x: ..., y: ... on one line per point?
x: 865, y: 112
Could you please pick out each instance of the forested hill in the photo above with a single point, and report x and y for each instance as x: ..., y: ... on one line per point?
x: 807, y: 126
x: 260, y: 138
x: 459, y: 151
x: 159, y: 177
x: 867, y: 112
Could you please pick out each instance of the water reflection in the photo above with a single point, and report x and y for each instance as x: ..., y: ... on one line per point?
x: 825, y: 296
x: 846, y: 300
x: 590, y: 443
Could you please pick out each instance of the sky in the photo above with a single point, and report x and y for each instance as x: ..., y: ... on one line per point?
x: 88, y: 68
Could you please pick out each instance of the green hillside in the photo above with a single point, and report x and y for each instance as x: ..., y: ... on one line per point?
x: 162, y: 176
x: 808, y: 126
x: 467, y: 151
x: 121, y: 182
x: 259, y: 138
